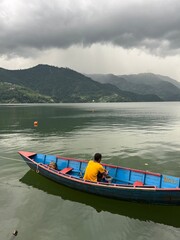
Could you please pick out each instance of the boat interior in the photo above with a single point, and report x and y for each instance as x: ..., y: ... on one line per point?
x: 118, y: 175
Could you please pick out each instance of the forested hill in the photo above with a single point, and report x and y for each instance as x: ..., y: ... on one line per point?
x: 166, y: 88
x: 65, y: 85
x: 12, y: 93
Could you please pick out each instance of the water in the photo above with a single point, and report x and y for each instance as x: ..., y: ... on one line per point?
x: 138, y: 135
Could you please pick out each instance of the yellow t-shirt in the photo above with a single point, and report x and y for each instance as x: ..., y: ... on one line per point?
x: 92, y: 170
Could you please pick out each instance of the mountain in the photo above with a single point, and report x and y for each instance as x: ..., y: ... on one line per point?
x: 66, y: 85
x: 168, y: 79
x: 12, y: 93
x: 145, y: 83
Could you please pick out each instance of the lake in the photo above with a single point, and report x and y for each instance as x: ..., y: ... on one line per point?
x: 138, y: 135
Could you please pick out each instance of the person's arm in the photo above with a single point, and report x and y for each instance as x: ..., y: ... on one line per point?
x: 103, y: 171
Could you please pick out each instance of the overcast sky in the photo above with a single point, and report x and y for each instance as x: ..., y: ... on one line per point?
x: 92, y: 36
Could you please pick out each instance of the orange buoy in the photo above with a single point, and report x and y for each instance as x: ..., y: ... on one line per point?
x: 35, y: 123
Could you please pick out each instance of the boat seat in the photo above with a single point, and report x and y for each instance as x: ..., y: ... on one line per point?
x: 138, y: 184
x: 66, y: 170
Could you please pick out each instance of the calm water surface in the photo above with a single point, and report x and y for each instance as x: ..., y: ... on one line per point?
x: 139, y: 135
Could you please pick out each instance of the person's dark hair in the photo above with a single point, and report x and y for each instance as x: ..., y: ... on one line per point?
x: 97, y: 157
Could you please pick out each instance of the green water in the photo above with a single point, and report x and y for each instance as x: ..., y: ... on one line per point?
x: 139, y: 135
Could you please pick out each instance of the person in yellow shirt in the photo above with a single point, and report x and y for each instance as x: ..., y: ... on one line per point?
x: 94, y: 169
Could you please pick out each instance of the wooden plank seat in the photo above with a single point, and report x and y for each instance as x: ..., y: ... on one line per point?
x: 66, y: 170
x: 138, y: 184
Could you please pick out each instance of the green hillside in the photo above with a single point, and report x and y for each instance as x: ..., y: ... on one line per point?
x: 12, y: 93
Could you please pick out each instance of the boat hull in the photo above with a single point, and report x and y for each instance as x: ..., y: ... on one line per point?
x: 143, y: 194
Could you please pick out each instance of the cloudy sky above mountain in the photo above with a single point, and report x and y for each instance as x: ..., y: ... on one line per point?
x: 92, y: 36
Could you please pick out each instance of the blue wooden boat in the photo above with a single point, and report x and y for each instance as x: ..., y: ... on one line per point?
x: 126, y: 183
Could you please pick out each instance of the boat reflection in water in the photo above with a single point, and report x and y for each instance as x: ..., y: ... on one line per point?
x: 168, y: 215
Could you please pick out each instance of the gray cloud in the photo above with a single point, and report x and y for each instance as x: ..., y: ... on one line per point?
x: 152, y: 25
